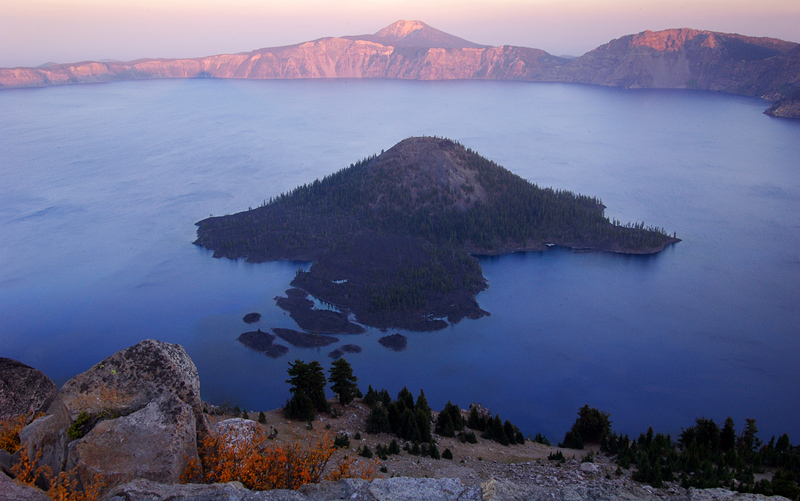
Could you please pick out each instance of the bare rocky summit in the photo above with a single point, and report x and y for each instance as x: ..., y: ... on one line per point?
x: 411, y: 50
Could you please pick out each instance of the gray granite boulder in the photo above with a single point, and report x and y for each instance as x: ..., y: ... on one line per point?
x: 9, y: 490
x: 23, y: 389
x: 143, y: 396
x: 153, y: 443
x: 146, y: 490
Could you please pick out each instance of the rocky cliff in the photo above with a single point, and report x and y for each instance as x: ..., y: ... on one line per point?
x: 691, y: 59
x: 411, y: 50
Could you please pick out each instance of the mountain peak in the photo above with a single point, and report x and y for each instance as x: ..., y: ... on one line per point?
x: 401, y: 29
x: 416, y: 34
x: 422, y: 164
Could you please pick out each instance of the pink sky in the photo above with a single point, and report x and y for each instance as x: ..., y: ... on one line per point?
x: 33, y: 32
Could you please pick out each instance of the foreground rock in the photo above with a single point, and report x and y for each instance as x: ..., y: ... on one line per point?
x: 157, y: 440
x: 404, y: 488
x: 9, y: 489
x: 146, y: 397
x: 23, y: 389
x: 136, y: 425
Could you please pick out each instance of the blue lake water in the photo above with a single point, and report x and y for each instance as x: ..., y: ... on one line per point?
x: 100, y: 187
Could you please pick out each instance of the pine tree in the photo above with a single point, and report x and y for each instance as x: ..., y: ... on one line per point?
x: 378, y: 420
x: 406, y: 398
x: 422, y: 404
x: 476, y: 421
x: 409, y: 430
x: 308, y: 390
x: 498, y: 433
x: 449, y: 420
x: 727, y: 438
x: 343, y: 382
x: 371, y: 398
x: 424, y: 424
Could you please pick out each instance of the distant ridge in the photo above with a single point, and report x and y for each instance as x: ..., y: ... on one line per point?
x: 681, y: 58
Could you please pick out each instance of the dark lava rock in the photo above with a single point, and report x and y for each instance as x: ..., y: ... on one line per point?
x: 23, y: 389
x: 304, y: 339
x: 252, y: 318
x: 256, y: 340
x: 302, y: 311
x: 262, y: 342
x: 395, y: 342
x: 276, y: 351
x: 348, y: 348
x: 351, y: 348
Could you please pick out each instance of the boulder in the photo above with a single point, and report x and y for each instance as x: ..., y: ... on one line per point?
x: 146, y: 490
x: 129, y: 379
x: 398, y: 488
x: 5, y: 462
x: 23, y: 389
x: 152, y: 384
x: 18, y: 492
x: 153, y: 443
x: 237, y: 429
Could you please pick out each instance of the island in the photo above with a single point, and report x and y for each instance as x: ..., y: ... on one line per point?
x: 393, y: 237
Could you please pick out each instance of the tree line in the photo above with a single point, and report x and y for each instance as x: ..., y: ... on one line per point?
x: 704, y: 455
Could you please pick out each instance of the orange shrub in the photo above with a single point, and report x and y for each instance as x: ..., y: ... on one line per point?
x: 64, y: 487
x: 260, y: 465
x: 349, y: 467
x: 26, y: 472
x: 9, y: 432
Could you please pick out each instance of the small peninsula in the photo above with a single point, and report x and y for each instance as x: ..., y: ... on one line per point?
x: 393, y: 237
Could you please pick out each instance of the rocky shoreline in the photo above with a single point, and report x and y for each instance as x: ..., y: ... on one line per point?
x: 134, y: 418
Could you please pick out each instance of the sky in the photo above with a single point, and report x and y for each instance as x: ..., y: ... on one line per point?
x: 34, y: 32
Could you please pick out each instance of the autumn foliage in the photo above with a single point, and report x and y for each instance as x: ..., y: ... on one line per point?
x: 63, y: 487
x: 9, y: 432
x: 260, y: 464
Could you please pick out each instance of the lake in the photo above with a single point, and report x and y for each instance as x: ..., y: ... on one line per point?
x: 100, y: 187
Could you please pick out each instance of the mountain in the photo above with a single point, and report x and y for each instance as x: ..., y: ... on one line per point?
x: 416, y: 34
x: 694, y: 59
x: 391, y: 235
x: 411, y: 50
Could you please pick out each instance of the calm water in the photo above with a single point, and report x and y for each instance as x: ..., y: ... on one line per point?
x: 100, y: 187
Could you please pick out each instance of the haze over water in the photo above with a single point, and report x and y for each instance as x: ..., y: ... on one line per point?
x: 100, y: 187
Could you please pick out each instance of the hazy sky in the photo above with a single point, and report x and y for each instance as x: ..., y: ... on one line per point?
x: 33, y: 32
